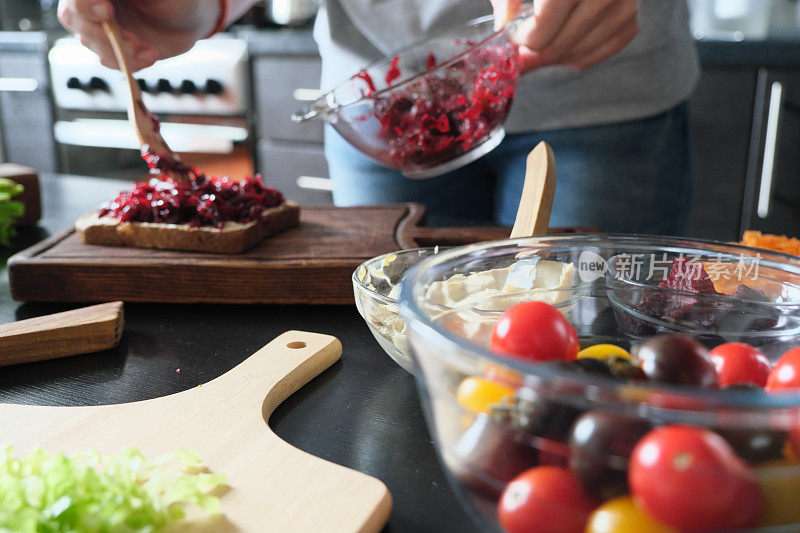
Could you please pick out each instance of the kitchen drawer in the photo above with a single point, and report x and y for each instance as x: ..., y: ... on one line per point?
x: 299, y: 171
x: 282, y: 85
x: 26, y: 124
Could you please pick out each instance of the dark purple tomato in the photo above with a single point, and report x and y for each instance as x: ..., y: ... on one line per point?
x: 489, y: 456
x: 677, y: 359
x: 600, y: 445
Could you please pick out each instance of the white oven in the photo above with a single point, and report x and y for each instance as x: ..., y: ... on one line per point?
x: 201, y: 97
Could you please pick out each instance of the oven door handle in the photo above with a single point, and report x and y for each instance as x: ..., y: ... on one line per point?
x: 18, y: 85
x: 191, y: 138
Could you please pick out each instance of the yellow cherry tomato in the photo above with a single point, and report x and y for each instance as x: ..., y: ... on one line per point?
x: 621, y: 515
x: 603, y: 351
x: 477, y: 394
x: 780, y: 493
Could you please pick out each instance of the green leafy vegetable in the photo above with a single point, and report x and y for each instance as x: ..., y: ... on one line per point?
x: 88, y: 493
x: 10, y: 210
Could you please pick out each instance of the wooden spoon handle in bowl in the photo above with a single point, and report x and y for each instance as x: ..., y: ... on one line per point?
x: 538, y: 191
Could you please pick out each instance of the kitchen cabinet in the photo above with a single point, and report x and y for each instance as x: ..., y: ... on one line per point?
x: 299, y: 170
x: 289, y: 155
x: 720, y: 121
x: 773, y: 172
x: 26, y: 120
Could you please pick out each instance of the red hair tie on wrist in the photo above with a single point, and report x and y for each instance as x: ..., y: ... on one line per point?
x: 224, y: 7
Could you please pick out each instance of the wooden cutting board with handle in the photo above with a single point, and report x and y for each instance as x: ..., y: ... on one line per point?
x: 271, y: 485
x: 309, y: 264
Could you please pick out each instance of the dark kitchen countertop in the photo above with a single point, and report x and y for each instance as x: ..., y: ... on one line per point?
x: 363, y: 412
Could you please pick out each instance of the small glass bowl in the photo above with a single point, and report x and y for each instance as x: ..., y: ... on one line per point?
x: 376, y: 284
x: 483, y: 448
x: 432, y: 107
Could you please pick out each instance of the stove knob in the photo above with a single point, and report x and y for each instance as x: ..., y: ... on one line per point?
x: 74, y: 83
x: 213, y: 87
x: 97, y: 84
x: 188, y: 87
x: 143, y: 85
x: 163, y: 86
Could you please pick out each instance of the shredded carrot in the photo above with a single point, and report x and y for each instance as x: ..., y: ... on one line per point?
x: 778, y: 243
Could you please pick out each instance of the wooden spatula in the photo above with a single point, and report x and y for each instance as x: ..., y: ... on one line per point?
x: 145, y: 124
x: 273, y: 486
x: 538, y: 191
x: 85, y: 330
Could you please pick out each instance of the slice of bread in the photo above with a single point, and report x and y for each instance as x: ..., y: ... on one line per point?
x: 233, y: 238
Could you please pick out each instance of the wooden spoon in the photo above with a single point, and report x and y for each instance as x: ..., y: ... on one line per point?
x: 538, y: 191
x: 145, y: 124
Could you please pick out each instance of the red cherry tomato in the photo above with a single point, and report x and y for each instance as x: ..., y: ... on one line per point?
x: 737, y: 362
x: 537, y: 331
x: 785, y: 375
x: 691, y: 479
x: 545, y: 499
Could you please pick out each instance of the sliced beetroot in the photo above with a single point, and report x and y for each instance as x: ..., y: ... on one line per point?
x: 688, y: 275
x: 696, y: 305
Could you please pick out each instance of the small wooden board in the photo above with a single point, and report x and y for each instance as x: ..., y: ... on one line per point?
x: 272, y: 486
x: 310, y: 264
x: 86, y: 330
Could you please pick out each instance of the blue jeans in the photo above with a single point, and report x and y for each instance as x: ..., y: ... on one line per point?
x: 630, y: 177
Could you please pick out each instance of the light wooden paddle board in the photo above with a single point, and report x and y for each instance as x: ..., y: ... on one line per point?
x: 272, y: 485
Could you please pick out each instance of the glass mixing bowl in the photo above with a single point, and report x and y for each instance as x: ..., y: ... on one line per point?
x: 529, y: 414
x: 376, y: 285
x: 432, y: 107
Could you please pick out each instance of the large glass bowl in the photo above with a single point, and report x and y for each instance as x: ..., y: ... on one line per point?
x: 609, y: 301
x: 432, y: 107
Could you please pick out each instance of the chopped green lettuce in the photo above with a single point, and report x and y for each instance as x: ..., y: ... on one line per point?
x: 10, y: 210
x: 88, y: 492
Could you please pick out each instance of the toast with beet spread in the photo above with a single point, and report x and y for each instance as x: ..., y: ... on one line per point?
x: 213, y: 215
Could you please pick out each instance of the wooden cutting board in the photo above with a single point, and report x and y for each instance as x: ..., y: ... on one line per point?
x: 271, y: 485
x: 309, y: 264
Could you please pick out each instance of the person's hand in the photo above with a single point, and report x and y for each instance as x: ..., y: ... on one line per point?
x: 150, y: 29
x: 574, y: 33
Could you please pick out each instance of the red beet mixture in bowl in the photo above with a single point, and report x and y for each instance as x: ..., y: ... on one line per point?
x: 432, y: 107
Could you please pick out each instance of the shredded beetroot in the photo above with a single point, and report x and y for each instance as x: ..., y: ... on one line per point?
x: 364, y: 75
x: 394, y: 71
x: 201, y: 201
x: 431, y: 62
x: 434, y: 119
x: 167, y: 165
